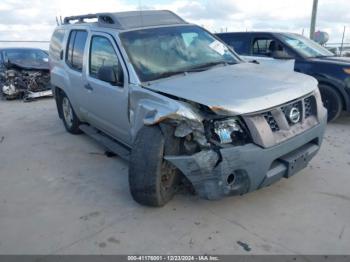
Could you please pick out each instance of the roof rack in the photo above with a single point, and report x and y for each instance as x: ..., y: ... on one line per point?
x: 81, y: 18
x: 129, y: 20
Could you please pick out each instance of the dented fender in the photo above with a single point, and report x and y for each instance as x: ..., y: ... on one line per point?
x: 150, y: 108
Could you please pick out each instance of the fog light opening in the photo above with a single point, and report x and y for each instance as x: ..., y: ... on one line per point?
x: 230, y: 179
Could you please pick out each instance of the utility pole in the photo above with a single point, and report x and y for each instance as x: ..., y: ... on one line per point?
x: 313, y: 19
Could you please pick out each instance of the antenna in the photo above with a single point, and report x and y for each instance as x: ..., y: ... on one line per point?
x: 140, y: 7
x: 57, y: 21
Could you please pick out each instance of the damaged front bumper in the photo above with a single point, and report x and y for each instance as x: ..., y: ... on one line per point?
x: 242, y: 169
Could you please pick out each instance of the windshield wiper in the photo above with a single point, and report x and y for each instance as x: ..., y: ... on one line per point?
x: 199, y: 68
x: 209, y: 65
x: 171, y: 73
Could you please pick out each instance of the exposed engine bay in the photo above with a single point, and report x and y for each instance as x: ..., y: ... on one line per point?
x: 21, y: 80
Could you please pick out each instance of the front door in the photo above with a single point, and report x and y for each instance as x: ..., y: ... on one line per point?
x: 108, y: 102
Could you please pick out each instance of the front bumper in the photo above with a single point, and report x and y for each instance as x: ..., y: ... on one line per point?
x: 243, y: 169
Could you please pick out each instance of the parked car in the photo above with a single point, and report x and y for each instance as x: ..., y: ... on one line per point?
x: 24, y: 73
x: 332, y: 72
x: 180, y: 106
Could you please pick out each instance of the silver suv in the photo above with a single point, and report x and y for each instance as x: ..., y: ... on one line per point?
x: 181, y: 106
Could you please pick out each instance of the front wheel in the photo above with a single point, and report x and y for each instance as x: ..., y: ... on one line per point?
x: 332, y: 101
x: 152, y: 180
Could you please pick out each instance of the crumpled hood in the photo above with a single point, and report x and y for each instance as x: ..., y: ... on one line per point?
x: 238, y: 89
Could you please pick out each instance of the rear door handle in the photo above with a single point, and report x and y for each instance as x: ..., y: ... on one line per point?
x: 88, y: 87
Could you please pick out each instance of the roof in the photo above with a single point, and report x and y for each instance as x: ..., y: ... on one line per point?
x: 130, y: 20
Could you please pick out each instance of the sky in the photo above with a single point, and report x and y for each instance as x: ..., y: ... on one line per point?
x: 35, y: 19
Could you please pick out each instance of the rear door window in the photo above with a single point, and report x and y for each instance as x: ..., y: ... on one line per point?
x: 76, y: 46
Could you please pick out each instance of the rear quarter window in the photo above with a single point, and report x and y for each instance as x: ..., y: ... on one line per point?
x: 56, y: 44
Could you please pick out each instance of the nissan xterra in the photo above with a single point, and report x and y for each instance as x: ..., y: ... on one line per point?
x: 181, y: 106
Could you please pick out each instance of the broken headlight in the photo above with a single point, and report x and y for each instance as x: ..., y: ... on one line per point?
x: 229, y: 131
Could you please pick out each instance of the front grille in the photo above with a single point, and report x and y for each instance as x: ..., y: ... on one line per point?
x: 309, y: 108
x: 271, y: 121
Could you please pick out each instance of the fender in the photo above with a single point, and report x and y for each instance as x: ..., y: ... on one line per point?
x: 149, y: 108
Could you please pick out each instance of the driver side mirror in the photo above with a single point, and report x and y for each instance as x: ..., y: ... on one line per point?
x: 281, y: 55
x: 109, y: 74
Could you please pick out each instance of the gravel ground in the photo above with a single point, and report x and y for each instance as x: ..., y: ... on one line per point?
x: 59, y: 194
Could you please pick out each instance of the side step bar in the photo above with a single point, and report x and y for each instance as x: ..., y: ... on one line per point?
x: 111, y: 144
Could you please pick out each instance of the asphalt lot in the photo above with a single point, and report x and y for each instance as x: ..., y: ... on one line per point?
x: 59, y: 194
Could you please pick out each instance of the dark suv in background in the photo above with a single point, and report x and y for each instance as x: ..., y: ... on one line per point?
x: 332, y: 72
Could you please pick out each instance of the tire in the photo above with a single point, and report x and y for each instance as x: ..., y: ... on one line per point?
x: 152, y: 180
x: 332, y: 101
x: 70, y: 120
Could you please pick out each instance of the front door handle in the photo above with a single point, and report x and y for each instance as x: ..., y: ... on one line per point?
x: 88, y: 87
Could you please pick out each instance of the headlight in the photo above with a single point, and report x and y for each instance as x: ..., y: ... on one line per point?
x: 346, y: 70
x: 228, y: 131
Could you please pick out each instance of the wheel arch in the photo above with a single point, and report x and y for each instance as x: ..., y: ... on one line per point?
x: 339, y: 88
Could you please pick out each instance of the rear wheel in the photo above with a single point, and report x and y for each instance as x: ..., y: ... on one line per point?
x: 70, y: 119
x: 153, y: 181
x: 332, y: 101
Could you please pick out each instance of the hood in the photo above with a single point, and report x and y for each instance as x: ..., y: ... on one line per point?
x: 29, y: 64
x: 238, y: 89
x: 340, y: 60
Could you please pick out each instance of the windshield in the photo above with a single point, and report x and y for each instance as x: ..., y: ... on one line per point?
x: 305, y: 47
x: 160, y: 52
x: 25, y: 55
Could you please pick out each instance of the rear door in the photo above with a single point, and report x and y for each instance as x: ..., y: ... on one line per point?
x: 108, y: 103
x: 240, y: 42
x: 74, y: 58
